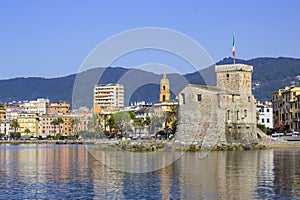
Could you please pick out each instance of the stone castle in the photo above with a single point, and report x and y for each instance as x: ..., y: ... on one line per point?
x: 220, y: 114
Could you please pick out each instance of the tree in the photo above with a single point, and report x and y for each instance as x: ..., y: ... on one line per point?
x: 147, y: 122
x: 171, y: 121
x: 123, y: 119
x: 14, y: 123
x: 15, y: 135
x: 27, y: 131
x: 56, y: 122
x: 111, y: 123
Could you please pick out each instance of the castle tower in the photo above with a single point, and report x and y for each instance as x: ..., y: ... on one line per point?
x: 164, y: 94
x: 236, y: 78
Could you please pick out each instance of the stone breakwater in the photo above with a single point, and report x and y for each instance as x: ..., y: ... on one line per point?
x: 163, y: 145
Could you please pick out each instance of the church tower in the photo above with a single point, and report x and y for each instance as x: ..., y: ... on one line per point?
x: 164, y: 94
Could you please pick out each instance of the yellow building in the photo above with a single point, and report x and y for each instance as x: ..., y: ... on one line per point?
x: 285, y: 108
x: 2, y: 113
x: 28, y: 124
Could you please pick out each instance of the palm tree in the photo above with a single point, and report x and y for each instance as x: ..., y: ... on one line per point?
x: 171, y: 117
x: 147, y: 122
x: 14, y: 123
x: 56, y: 122
x: 27, y: 131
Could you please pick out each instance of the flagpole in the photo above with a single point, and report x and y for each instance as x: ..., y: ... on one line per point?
x: 233, y: 47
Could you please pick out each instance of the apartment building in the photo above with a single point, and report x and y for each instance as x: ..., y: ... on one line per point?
x: 109, y: 96
x: 265, y: 114
x: 285, y: 108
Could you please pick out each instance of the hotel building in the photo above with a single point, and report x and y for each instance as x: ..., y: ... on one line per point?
x: 109, y: 96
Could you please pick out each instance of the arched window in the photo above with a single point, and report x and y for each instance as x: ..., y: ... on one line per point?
x: 183, y: 98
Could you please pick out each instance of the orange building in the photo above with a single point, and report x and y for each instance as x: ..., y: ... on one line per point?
x: 59, y: 108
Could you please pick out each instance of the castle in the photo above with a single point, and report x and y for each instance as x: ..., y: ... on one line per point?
x: 220, y: 114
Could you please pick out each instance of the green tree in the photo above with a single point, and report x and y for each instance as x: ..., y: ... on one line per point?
x: 111, y: 123
x: 14, y: 123
x: 57, y: 122
x: 171, y: 121
x: 123, y: 119
x: 27, y: 131
x: 15, y: 135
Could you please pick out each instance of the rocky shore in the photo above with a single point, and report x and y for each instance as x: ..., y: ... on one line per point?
x: 164, y: 145
x: 158, y: 145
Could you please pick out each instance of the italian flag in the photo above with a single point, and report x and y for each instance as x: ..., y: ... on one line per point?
x: 233, y: 46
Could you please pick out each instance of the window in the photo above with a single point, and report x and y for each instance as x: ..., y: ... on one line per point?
x: 268, y: 110
x: 232, y: 98
x: 245, y: 113
x: 268, y: 120
x: 164, y: 87
x: 164, y: 97
x: 249, y: 99
x: 228, y: 114
x: 262, y: 120
x: 227, y: 75
x: 199, y: 97
x: 183, y: 98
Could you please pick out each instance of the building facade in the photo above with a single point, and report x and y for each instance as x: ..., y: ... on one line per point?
x: 265, y: 114
x: 109, y: 96
x: 28, y: 124
x: 39, y: 106
x: 285, y: 108
x: 59, y: 108
x: 222, y: 114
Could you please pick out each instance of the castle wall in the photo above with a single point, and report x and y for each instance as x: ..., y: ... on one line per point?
x: 201, y: 118
x: 226, y: 113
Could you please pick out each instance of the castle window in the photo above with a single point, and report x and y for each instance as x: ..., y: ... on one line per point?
x: 183, y: 98
x: 164, y: 87
x: 227, y: 75
x: 199, y: 97
x: 228, y: 114
x: 245, y: 113
x: 249, y: 99
x: 164, y: 97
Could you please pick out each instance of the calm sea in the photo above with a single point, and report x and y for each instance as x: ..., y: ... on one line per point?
x: 70, y: 172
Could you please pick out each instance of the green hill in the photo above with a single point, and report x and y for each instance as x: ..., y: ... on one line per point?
x: 269, y: 74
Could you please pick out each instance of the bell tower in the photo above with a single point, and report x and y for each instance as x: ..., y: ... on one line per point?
x: 164, y: 94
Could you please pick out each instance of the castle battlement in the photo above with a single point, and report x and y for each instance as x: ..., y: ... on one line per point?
x: 233, y: 67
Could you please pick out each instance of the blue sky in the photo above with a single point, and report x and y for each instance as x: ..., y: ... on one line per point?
x: 52, y: 38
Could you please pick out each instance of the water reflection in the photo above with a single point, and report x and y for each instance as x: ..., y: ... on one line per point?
x: 70, y: 172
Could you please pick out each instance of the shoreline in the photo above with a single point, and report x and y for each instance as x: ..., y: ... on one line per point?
x: 153, y: 145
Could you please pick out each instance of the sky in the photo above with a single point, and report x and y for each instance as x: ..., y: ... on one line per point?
x: 53, y: 38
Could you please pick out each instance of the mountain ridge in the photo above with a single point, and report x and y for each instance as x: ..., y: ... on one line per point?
x: 269, y: 74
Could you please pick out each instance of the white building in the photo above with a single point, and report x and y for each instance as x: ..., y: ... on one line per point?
x: 265, y: 112
x: 109, y: 96
x: 40, y: 106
